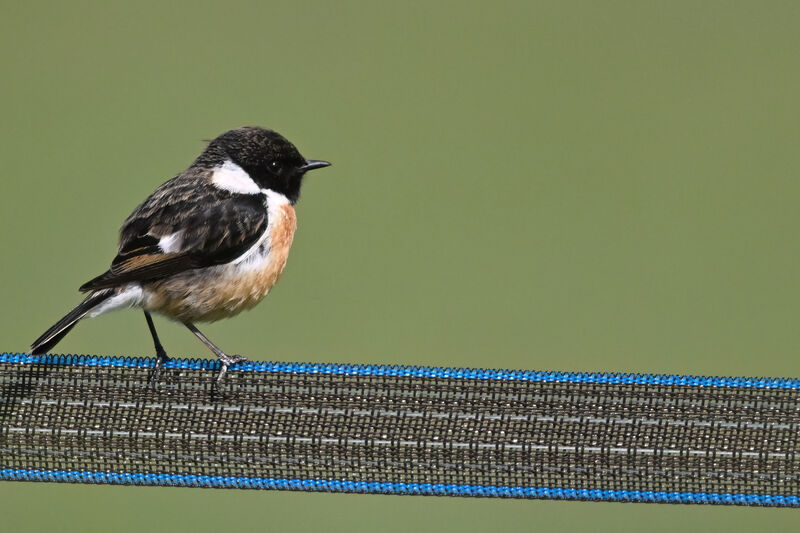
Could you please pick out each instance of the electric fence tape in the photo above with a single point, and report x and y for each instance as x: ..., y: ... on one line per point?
x: 401, y: 430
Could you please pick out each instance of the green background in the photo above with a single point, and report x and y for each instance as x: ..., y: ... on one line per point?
x: 556, y: 185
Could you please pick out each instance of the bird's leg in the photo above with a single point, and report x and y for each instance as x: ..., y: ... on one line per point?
x: 225, y: 359
x: 161, y: 355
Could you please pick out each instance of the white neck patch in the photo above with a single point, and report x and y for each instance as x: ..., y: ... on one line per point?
x: 231, y: 177
x: 274, y: 203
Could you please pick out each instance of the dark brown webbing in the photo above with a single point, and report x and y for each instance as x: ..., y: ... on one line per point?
x: 372, y: 432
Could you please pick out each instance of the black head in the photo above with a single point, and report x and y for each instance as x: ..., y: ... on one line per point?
x: 270, y: 160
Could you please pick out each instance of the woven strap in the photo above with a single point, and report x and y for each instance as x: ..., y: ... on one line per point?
x: 401, y: 430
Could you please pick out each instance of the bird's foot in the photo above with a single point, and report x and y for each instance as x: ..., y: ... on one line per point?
x: 161, y: 359
x: 227, y: 361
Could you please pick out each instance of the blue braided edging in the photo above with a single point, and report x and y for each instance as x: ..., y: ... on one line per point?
x: 411, y: 371
x: 418, y: 489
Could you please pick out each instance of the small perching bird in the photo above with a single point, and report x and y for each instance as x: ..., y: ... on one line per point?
x: 207, y: 244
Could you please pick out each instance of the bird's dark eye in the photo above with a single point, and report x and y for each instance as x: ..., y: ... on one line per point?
x: 275, y: 166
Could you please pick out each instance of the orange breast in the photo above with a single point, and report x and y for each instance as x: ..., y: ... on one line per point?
x: 262, y: 279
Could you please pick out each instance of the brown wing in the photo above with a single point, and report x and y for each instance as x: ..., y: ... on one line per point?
x: 215, y: 227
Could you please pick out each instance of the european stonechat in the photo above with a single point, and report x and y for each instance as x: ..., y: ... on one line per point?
x: 207, y: 244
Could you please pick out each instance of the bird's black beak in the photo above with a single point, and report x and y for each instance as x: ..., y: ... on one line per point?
x: 311, y: 164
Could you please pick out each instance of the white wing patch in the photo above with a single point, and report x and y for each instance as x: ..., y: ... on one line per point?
x: 171, y: 243
x: 231, y: 177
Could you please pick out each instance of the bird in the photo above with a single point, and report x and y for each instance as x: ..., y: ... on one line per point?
x: 207, y: 244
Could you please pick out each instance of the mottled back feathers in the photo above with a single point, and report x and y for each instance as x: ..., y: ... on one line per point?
x: 215, y: 226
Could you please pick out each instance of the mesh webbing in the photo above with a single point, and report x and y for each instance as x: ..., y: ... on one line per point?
x: 403, y: 430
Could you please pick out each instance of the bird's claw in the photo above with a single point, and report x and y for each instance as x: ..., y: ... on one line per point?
x: 161, y: 359
x: 227, y: 361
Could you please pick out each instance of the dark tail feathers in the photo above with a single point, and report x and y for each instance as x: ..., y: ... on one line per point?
x: 59, y: 330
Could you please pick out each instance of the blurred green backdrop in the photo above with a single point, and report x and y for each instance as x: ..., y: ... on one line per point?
x: 554, y: 185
